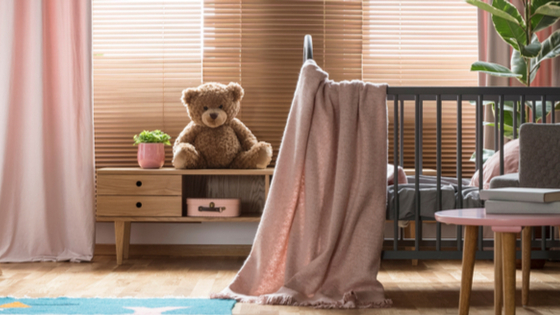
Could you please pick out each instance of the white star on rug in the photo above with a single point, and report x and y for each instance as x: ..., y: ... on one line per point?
x: 153, y: 311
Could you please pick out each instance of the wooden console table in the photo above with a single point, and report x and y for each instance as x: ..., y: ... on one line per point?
x: 126, y: 195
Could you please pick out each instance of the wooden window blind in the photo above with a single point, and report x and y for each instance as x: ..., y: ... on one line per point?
x: 425, y: 43
x: 144, y: 54
x: 259, y: 44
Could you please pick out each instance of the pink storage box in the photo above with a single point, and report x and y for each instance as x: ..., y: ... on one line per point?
x: 212, y: 207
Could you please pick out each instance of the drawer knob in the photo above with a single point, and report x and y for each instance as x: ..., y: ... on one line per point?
x: 138, y: 205
x: 138, y: 183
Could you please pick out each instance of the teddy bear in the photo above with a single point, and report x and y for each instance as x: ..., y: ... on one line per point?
x: 215, y: 138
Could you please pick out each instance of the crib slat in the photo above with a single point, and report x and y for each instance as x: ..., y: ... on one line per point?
x: 396, y: 173
x: 417, y: 153
x: 522, y: 108
x: 479, y: 140
x: 534, y: 111
x: 438, y: 168
x: 479, y: 143
x: 502, y: 112
x: 514, y: 119
x: 496, y: 122
x: 401, y: 134
x: 460, y: 163
x: 553, y: 114
x: 543, y: 106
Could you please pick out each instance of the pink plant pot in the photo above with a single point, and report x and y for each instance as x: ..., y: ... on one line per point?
x: 151, y: 155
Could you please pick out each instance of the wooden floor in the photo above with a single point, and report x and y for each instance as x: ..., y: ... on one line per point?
x: 432, y: 287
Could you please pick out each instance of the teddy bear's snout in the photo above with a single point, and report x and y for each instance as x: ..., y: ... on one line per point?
x: 213, y: 116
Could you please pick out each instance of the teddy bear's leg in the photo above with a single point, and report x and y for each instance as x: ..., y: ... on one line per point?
x: 186, y: 156
x: 258, y: 156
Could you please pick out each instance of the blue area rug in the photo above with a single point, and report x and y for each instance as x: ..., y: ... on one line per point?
x: 104, y: 306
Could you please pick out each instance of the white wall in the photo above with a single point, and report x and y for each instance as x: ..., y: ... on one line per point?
x: 219, y: 233
x: 182, y: 233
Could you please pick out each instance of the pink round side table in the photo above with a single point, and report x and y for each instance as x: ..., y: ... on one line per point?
x: 505, y: 227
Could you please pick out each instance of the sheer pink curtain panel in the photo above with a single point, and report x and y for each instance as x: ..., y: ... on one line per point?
x: 46, y: 131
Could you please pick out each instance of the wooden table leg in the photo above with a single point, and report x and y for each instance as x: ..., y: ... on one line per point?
x: 525, y: 264
x: 498, y: 285
x: 508, y: 248
x: 126, y: 243
x: 469, y: 253
x: 119, y: 240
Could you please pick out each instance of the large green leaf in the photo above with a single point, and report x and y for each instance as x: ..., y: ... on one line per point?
x: 550, y: 48
x: 540, y: 21
x: 519, y: 65
x: 508, y: 115
x: 492, y: 10
x: 549, y: 9
x: 511, y: 32
x: 494, y: 69
x: 508, y: 130
x: 531, y: 50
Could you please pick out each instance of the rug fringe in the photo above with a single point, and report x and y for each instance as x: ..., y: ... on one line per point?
x: 349, y: 301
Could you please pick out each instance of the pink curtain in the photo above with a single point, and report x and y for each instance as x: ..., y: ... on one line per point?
x: 46, y: 131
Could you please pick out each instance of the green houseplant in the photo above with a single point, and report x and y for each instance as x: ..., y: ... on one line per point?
x: 151, y: 152
x: 519, y: 31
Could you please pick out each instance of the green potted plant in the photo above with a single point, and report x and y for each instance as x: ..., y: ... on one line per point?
x: 151, y: 152
x: 519, y: 31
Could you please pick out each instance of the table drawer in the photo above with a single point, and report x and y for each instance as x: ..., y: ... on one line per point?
x: 154, y: 185
x: 140, y: 206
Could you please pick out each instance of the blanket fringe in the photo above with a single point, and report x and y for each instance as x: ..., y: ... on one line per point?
x: 348, y: 301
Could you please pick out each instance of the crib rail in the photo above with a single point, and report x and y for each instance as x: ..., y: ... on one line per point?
x: 451, y: 249
x: 398, y: 247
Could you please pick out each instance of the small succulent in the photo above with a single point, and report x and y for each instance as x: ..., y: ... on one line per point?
x: 156, y: 136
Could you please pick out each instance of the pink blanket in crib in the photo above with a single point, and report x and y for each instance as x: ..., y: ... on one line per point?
x: 320, y: 238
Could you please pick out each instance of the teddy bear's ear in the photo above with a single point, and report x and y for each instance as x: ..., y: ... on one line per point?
x: 189, y: 95
x: 236, y: 91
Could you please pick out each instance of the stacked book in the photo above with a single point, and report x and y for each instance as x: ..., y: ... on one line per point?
x: 521, y: 200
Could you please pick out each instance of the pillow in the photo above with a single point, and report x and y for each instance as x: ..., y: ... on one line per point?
x: 401, y: 176
x: 491, y: 168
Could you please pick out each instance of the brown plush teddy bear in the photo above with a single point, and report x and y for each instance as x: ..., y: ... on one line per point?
x: 215, y: 138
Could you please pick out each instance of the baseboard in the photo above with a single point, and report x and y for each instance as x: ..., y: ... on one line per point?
x: 177, y: 250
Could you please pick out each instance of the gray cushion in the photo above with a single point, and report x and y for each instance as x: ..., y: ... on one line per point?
x: 508, y: 180
x: 539, y: 155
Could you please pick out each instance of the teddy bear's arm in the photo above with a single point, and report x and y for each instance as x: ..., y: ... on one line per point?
x: 188, y: 135
x: 245, y: 136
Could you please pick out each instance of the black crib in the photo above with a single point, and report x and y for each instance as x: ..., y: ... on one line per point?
x: 398, y: 247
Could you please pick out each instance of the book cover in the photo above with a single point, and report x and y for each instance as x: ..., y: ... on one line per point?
x: 521, y: 194
x: 518, y: 207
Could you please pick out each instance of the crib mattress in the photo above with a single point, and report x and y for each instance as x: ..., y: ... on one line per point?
x: 428, y: 197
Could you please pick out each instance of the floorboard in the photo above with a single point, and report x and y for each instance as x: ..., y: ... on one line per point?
x: 432, y: 287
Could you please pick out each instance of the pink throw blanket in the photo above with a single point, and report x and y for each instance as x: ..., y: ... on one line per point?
x: 320, y: 238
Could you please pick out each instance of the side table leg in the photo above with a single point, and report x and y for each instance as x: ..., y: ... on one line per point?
x: 119, y: 240
x: 525, y: 264
x: 126, y: 244
x: 469, y: 253
x: 498, y: 283
x: 508, y: 248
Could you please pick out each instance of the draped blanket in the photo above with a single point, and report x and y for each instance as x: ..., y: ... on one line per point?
x: 320, y: 238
